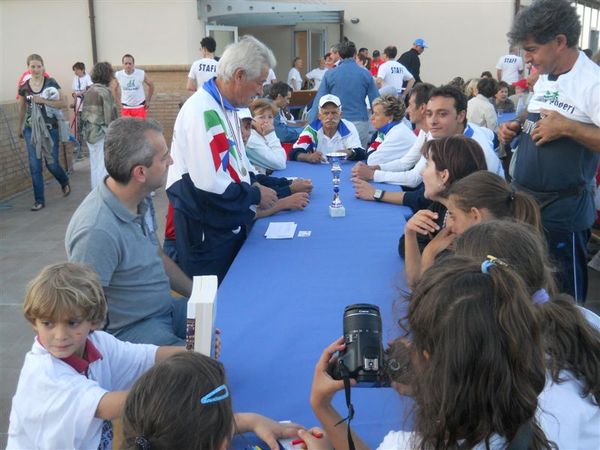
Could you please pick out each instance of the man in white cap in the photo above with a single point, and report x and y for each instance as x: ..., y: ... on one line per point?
x: 328, y: 133
x: 411, y: 61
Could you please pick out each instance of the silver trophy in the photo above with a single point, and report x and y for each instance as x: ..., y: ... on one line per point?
x: 336, y: 209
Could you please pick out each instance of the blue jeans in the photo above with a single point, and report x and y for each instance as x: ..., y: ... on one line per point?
x: 168, y: 329
x: 568, y: 251
x: 35, y: 166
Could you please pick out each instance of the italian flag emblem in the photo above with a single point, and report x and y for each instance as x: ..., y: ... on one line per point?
x: 220, y: 146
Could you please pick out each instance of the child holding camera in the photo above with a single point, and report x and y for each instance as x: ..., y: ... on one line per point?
x: 477, y: 358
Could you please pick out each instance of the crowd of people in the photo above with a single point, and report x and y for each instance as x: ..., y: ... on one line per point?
x: 503, y: 353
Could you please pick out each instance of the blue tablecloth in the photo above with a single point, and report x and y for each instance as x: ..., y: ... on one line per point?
x: 506, y: 117
x: 282, y: 303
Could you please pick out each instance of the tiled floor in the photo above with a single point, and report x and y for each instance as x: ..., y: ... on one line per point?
x: 31, y: 240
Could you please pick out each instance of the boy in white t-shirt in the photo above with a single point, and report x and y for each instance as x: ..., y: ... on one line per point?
x: 81, y: 82
x: 74, y: 381
x: 205, y: 68
x: 392, y: 75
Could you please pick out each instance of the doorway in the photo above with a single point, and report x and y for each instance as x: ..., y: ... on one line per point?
x: 310, y: 46
x: 223, y: 35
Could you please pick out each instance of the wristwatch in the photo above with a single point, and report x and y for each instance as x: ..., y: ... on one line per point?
x: 378, y: 195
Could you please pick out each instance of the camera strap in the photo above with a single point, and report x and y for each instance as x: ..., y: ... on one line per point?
x: 522, y: 438
x: 346, y: 378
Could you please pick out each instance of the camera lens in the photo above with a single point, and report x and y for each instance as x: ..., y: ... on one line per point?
x: 362, y: 330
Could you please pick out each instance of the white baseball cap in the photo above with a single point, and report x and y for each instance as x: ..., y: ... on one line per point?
x: 329, y: 98
x: 244, y: 113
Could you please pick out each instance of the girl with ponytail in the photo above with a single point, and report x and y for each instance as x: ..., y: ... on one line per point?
x: 477, y: 356
x: 570, y: 412
x: 484, y: 196
x: 476, y: 198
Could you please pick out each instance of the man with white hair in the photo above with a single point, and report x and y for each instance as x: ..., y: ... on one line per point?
x: 209, y: 182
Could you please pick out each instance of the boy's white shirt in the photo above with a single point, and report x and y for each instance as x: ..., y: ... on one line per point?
x: 54, y: 406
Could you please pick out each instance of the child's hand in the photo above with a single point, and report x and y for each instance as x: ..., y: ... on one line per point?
x: 439, y: 243
x: 314, y: 439
x: 266, y: 429
x: 423, y: 222
x: 324, y: 386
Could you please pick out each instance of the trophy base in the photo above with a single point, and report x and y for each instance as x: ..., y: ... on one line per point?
x: 340, y: 211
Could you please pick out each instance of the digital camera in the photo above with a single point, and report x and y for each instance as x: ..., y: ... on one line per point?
x: 364, y: 358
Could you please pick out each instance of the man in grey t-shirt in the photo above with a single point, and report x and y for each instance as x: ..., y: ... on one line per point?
x: 113, y: 231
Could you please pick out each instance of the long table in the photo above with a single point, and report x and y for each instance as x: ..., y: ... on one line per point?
x: 282, y: 302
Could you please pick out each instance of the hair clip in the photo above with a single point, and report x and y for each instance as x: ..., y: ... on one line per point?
x: 215, y: 395
x: 142, y: 443
x: 540, y: 297
x: 491, y: 261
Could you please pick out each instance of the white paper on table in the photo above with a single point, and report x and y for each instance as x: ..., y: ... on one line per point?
x: 281, y: 230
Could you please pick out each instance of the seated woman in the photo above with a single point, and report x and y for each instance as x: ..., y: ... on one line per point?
x: 393, y: 138
x: 502, y: 103
x: 569, y: 413
x: 477, y: 198
x: 477, y: 360
x: 264, y: 149
x: 480, y: 109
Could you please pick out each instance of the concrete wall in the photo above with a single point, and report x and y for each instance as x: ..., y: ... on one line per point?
x: 465, y: 37
x: 156, y: 32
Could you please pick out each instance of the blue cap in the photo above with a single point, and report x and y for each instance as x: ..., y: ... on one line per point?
x: 421, y: 42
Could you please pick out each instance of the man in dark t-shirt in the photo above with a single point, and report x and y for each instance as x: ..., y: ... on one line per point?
x: 559, y: 146
x: 411, y: 61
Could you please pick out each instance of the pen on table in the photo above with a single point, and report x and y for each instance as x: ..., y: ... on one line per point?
x: 301, y: 441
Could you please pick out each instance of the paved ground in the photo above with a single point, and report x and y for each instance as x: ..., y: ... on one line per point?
x: 28, y: 242
x: 31, y: 240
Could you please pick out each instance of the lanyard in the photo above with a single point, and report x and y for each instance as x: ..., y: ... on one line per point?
x: 237, y: 136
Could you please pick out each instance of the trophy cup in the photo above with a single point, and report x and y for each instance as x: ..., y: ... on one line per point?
x: 336, y: 209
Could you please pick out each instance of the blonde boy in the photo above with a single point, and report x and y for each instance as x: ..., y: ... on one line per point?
x: 74, y: 379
